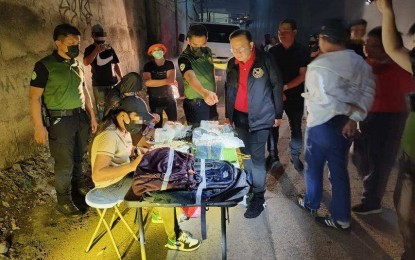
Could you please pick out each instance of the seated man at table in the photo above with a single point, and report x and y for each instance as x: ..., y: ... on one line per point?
x: 111, y: 165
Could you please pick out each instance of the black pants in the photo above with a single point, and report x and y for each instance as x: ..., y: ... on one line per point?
x: 254, y: 146
x: 375, y: 152
x: 68, y: 139
x: 295, y: 117
x: 195, y: 111
x: 167, y: 104
x: 404, y: 199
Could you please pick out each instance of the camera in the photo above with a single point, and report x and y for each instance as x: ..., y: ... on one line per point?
x: 107, y: 46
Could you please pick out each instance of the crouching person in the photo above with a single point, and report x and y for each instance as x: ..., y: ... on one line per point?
x: 112, y: 168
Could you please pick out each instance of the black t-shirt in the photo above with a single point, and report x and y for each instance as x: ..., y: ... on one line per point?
x: 289, y: 62
x: 159, y: 72
x: 101, y: 67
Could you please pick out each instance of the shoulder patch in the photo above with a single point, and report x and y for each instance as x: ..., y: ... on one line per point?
x: 182, y: 66
x: 34, y: 75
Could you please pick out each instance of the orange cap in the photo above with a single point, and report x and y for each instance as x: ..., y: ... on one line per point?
x: 156, y: 46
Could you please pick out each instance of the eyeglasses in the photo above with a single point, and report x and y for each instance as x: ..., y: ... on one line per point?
x: 239, y: 50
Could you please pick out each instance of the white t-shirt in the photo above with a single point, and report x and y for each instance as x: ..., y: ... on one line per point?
x: 112, y: 142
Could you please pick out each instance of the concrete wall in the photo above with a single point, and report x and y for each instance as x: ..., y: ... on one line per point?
x: 26, y: 29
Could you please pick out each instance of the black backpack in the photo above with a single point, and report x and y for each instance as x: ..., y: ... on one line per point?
x: 221, y: 182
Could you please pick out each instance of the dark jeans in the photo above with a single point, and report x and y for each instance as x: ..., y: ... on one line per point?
x: 254, y: 146
x: 375, y: 152
x: 295, y: 117
x: 195, y: 111
x: 68, y: 139
x: 325, y: 143
x: 404, y: 198
x: 167, y: 104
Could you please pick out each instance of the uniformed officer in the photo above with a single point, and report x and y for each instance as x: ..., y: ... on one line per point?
x: 196, y: 66
x: 58, y: 85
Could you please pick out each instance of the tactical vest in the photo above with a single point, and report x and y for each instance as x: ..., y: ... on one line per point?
x: 204, y: 70
x: 64, y: 88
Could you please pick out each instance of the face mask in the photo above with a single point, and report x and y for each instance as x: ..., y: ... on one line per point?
x: 133, y: 127
x: 73, y: 51
x: 157, y: 54
x: 199, y: 51
x: 100, y: 42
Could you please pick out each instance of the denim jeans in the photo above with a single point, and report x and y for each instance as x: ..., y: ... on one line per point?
x: 254, y: 146
x: 195, y: 111
x: 295, y: 117
x: 325, y: 143
x: 167, y: 104
x: 374, y: 154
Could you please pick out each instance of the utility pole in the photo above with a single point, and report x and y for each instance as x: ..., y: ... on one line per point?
x: 201, y: 10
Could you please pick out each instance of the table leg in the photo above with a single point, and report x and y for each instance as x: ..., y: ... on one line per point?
x: 141, y: 229
x: 223, y: 227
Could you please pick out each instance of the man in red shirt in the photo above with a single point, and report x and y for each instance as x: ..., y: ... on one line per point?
x: 254, y: 105
x: 375, y: 152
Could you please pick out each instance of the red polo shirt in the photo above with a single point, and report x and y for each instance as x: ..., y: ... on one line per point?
x: 241, y: 102
x: 392, y: 85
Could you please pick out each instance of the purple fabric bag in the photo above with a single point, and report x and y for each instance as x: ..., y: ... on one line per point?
x: 151, y: 171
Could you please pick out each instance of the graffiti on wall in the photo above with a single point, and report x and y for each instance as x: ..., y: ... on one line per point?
x: 76, y: 9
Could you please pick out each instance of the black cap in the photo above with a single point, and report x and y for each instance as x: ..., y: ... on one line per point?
x: 136, y: 104
x: 335, y: 29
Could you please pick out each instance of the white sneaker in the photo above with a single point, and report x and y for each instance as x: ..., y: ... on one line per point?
x: 185, y: 243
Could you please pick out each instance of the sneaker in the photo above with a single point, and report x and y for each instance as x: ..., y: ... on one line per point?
x: 363, y: 209
x: 255, y: 207
x: 329, y: 222
x: 298, y: 164
x: 185, y: 243
x: 156, y: 218
x: 301, y: 204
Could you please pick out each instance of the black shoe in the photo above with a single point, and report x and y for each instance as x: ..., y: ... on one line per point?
x: 272, y: 162
x: 298, y: 164
x: 331, y: 223
x: 363, y: 209
x: 66, y: 207
x: 255, y: 207
x: 301, y: 204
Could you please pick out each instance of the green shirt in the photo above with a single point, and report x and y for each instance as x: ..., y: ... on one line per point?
x: 203, y: 68
x: 408, y: 137
x: 62, y: 81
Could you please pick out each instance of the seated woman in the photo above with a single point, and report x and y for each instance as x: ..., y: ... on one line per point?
x: 159, y: 75
x: 111, y: 165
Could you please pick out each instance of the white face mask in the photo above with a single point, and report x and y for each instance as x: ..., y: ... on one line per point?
x: 158, y: 54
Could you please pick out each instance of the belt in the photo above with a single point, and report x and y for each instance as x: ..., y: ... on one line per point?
x: 195, y: 100
x: 65, y: 112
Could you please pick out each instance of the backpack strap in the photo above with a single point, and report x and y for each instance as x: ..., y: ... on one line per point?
x: 169, y: 170
x: 202, y: 185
